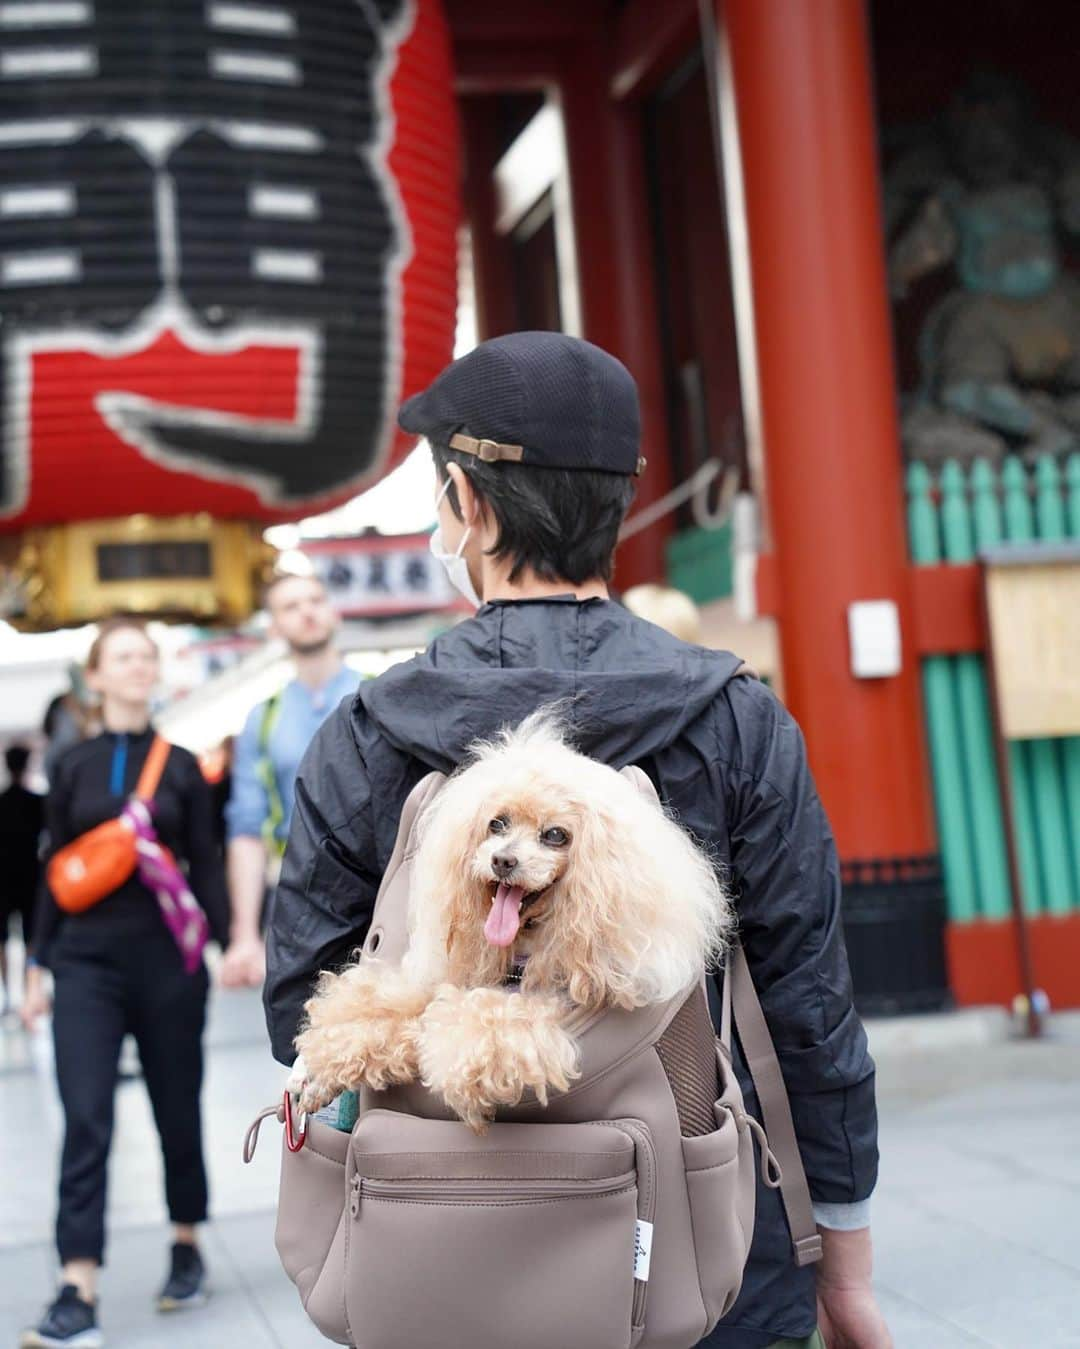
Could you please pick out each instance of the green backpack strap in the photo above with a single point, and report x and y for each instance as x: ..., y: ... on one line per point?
x: 264, y: 772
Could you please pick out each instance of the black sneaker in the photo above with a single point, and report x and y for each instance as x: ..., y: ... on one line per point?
x: 69, y: 1322
x: 186, y: 1284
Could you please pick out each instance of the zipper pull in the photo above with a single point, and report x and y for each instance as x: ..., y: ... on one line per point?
x: 354, y: 1201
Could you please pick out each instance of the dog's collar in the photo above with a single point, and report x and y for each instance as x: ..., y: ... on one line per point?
x: 516, y: 972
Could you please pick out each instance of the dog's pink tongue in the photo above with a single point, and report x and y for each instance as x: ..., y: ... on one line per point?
x: 505, y: 917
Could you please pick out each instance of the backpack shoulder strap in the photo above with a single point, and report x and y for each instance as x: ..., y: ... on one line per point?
x: 741, y: 997
x: 264, y: 772
x: 269, y: 719
x: 388, y: 935
x: 740, y: 1005
x: 152, y: 769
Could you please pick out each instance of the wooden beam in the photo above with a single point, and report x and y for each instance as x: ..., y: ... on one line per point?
x: 616, y: 270
x: 513, y: 49
x: 983, y: 966
x: 651, y: 41
x: 525, y: 20
x: 505, y: 68
x: 493, y: 277
x: 947, y: 610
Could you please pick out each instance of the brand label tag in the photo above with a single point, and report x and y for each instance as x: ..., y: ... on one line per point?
x: 642, y: 1249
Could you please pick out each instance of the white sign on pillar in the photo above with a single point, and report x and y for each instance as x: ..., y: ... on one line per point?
x: 874, y: 634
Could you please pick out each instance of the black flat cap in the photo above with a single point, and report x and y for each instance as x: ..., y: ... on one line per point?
x: 534, y: 398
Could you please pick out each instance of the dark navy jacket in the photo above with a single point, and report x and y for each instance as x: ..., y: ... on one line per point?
x: 724, y: 755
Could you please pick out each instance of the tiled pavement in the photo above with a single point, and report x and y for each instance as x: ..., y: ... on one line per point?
x: 253, y: 1306
x: 975, y: 1216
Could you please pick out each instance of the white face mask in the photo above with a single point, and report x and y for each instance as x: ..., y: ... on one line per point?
x: 454, y: 564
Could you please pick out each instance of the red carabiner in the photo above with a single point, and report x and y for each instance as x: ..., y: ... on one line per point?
x: 294, y: 1141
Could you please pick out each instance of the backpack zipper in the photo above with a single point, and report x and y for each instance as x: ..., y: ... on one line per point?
x: 495, y: 1192
x: 646, y: 1173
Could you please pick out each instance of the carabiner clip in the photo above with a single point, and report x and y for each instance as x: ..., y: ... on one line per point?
x: 294, y: 1140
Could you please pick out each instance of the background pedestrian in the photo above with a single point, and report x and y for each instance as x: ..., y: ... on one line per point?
x: 117, y: 969
x: 267, y: 755
x: 21, y: 816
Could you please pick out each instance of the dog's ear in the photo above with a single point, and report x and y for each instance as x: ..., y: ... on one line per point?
x: 588, y: 943
x: 446, y: 924
x: 470, y: 958
x: 640, y: 912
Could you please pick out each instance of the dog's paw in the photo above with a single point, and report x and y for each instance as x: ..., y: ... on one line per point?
x: 361, y: 1029
x: 483, y: 1048
x: 298, y: 1076
x: 314, y: 1095
x: 373, y: 1053
x: 309, y: 1092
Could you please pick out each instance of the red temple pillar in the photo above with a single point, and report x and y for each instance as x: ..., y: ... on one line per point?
x: 493, y: 273
x: 615, y: 267
x: 803, y: 94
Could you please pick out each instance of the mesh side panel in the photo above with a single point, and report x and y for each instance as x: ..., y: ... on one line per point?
x: 687, y: 1052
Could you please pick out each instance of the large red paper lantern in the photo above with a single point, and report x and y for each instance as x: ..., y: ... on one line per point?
x: 227, y: 253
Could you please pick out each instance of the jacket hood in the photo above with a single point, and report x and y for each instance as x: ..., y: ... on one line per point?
x: 628, y: 687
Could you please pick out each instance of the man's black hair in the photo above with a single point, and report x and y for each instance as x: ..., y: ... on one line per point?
x: 561, y: 524
x: 16, y: 757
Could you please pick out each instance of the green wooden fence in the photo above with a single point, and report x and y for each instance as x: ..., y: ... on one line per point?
x: 949, y: 519
x: 699, y: 562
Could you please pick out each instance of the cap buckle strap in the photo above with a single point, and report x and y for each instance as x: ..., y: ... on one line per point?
x: 490, y: 451
x: 487, y: 451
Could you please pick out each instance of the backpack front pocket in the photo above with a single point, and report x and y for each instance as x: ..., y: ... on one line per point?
x: 523, y: 1237
x: 720, y: 1189
x: 311, y: 1221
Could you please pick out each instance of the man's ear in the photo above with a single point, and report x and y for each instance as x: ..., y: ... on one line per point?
x: 468, y: 499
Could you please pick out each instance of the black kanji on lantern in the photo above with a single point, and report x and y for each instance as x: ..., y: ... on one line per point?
x: 214, y: 168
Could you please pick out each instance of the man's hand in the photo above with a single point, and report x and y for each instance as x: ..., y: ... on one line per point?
x: 243, y: 964
x: 851, y: 1319
x: 848, y: 1314
x: 36, y: 1001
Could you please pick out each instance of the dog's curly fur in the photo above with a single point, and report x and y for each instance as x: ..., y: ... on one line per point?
x: 622, y: 910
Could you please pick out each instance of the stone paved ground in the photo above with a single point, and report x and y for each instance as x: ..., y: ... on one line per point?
x: 253, y: 1305
x: 976, y: 1214
x: 975, y: 1217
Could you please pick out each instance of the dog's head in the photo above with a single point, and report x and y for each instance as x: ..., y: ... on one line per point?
x: 525, y: 851
x: 536, y: 850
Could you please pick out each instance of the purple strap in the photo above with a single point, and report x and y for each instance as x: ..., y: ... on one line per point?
x: 158, y: 872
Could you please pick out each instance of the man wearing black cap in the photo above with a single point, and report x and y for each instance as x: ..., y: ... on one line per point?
x: 536, y: 442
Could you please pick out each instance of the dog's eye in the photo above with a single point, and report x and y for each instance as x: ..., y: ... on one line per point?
x: 555, y: 838
x: 498, y: 825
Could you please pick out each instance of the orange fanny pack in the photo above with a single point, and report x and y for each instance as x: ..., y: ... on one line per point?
x: 99, y: 861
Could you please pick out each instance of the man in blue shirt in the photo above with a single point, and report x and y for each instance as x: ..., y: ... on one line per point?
x: 267, y: 756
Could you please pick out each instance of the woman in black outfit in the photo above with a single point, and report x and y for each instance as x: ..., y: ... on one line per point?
x: 116, y: 969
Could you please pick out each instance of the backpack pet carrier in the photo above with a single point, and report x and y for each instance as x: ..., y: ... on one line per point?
x: 619, y: 1216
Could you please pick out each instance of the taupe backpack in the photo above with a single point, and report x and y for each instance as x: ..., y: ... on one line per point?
x: 618, y: 1217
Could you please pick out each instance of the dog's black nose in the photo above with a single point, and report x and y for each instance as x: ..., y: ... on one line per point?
x: 502, y: 864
